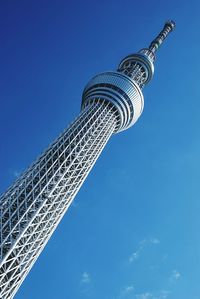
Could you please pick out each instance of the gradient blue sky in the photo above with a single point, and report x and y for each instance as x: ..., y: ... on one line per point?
x: 133, y: 230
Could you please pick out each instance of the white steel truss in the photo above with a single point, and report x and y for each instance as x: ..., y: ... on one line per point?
x: 32, y: 208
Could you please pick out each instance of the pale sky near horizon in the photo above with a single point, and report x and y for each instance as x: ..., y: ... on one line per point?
x: 133, y: 229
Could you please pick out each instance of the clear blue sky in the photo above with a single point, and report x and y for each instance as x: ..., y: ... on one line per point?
x: 133, y: 230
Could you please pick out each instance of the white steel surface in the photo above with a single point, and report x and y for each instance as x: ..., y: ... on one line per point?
x: 33, y: 207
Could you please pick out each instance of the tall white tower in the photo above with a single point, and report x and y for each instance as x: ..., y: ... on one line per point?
x: 32, y: 208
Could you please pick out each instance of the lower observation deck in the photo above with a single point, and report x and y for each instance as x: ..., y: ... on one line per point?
x: 122, y: 92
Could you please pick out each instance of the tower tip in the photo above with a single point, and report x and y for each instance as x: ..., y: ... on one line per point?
x: 156, y: 43
x: 171, y: 24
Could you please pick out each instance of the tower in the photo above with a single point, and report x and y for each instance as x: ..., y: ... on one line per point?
x: 33, y: 206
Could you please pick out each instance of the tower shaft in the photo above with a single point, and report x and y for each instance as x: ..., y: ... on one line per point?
x: 34, y: 206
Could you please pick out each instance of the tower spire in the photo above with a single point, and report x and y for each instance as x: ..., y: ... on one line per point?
x: 156, y: 43
x: 140, y: 66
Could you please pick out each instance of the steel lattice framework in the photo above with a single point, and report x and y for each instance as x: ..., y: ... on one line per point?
x: 33, y: 207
